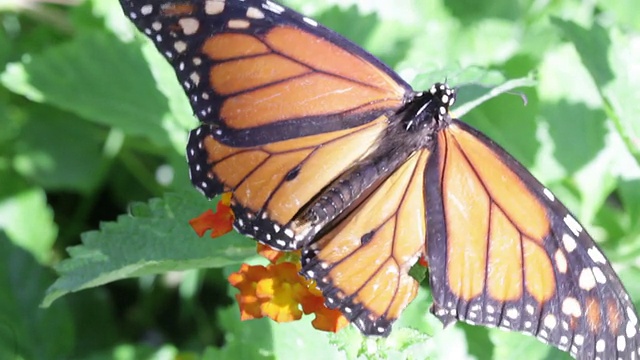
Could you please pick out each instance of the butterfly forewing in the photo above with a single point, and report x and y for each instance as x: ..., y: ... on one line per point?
x: 262, y: 73
x: 504, y: 252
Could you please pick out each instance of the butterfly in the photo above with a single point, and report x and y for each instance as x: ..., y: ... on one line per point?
x: 326, y: 149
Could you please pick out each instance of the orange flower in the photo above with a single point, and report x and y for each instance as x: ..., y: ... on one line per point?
x: 282, y: 291
x: 269, y: 253
x: 422, y: 260
x: 277, y: 290
x: 273, y: 291
x: 245, y: 280
x: 276, y: 256
x: 220, y: 222
x: 330, y: 320
x: 326, y: 319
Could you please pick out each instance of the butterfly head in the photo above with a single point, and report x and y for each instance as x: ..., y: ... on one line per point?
x: 443, y: 97
x: 429, y: 109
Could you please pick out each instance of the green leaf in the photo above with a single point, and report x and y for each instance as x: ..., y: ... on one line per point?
x: 25, y: 216
x: 630, y: 276
x: 509, y: 121
x: 402, y: 343
x: 418, y: 272
x: 416, y: 315
x: 510, y: 345
x: 611, y: 58
x: 266, y: 339
x: 26, y: 330
x: 622, y: 12
x: 250, y: 339
x: 388, y: 39
x: 101, y: 79
x: 154, y: 238
x: 629, y: 192
x: 449, y: 343
x: 5, y: 48
x: 479, y: 341
x: 590, y: 163
x: 437, y: 344
x: 138, y: 351
x: 580, y: 150
x: 96, y: 321
x: 484, y: 91
x: 355, y: 26
x: 57, y: 150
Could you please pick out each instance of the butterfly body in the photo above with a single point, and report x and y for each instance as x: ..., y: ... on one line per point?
x: 409, y: 130
x: 326, y: 149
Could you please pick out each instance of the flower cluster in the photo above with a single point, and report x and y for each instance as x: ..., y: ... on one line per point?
x: 277, y: 290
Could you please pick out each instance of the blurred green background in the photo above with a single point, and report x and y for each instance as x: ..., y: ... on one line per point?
x: 94, y: 186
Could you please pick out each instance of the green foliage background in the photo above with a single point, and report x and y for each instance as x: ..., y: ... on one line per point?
x: 95, y: 196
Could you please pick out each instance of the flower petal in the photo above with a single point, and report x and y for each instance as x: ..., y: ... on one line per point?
x: 330, y: 320
x: 220, y: 222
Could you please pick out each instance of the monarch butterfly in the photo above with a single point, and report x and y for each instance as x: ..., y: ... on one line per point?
x: 326, y: 149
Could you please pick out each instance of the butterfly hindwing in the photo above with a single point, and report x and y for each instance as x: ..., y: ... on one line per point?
x: 273, y: 182
x: 504, y: 252
x: 362, y: 265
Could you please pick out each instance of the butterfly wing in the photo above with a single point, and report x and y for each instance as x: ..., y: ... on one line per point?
x: 288, y: 104
x: 273, y: 182
x: 504, y: 252
x: 362, y: 265
x: 261, y: 72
